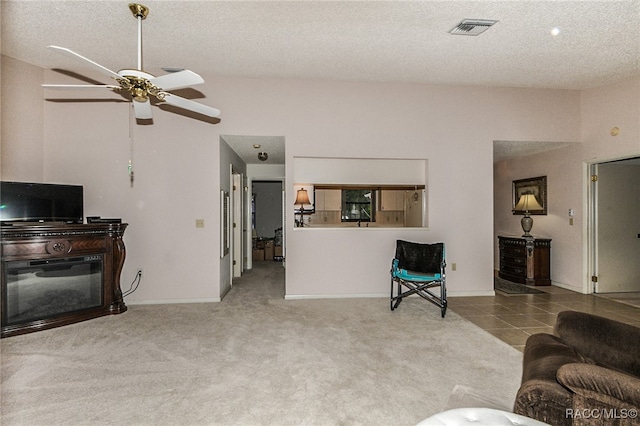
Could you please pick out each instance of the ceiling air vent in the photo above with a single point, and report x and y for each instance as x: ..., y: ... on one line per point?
x: 472, y: 27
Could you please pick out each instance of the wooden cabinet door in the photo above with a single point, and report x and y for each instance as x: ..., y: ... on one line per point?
x: 333, y: 199
x: 319, y: 199
x: 328, y: 199
x: 391, y: 200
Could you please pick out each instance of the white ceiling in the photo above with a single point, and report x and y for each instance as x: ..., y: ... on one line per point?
x: 508, y: 149
x: 390, y: 41
x: 248, y: 148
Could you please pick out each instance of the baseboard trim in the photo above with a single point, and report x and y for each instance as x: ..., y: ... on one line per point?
x: 380, y: 295
x: 569, y: 287
x: 171, y: 301
x: 304, y: 297
x: 335, y: 296
x: 470, y: 293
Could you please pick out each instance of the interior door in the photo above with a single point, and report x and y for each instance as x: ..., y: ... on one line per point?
x: 617, y: 227
x: 284, y: 226
x: 238, y: 260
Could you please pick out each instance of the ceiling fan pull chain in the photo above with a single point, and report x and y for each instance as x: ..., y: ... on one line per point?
x: 130, y: 166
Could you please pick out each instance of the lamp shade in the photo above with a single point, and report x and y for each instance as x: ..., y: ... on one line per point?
x: 302, y: 197
x: 528, y: 202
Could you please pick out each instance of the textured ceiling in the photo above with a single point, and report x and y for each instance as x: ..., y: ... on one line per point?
x: 248, y: 147
x: 598, y: 42
x: 507, y: 149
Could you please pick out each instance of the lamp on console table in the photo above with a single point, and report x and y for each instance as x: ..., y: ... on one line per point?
x: 526, y: 203
x: 302, y: 198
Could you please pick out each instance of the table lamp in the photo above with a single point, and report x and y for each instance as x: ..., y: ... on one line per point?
x: 302, y: 198
x: 526, y: 203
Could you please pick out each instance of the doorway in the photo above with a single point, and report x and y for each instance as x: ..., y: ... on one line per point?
x: 252, y: 159
x: 614, y: 242
x: 267, y: 219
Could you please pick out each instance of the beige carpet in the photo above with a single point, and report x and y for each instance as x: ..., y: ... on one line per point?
x: 254, y: 359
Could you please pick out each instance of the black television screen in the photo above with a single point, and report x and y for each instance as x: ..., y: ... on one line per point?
x: 40, y: 202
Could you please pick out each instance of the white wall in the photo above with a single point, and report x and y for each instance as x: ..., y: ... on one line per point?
x: 616, y: 105
x: 452, y: 127
x: 178, y: 174
x: 22, y: 121
x: 265, y: 171
x: 601, y: 109
x: 359, y: 171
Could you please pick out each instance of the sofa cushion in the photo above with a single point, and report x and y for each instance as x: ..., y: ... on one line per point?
x: 543, y: 355
x: 611, y: 388
x: 608, y: 343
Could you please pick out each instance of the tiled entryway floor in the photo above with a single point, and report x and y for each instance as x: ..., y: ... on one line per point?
x: 513, y: 318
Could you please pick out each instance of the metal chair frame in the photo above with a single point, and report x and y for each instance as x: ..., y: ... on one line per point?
x: 420, y: 281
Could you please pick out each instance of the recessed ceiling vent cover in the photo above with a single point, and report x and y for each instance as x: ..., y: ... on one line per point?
x: 472, y: 27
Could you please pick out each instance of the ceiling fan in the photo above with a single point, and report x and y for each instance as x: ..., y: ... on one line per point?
x: 141, y: 85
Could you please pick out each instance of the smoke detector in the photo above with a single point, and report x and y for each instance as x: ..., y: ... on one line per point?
x: 472, y: 27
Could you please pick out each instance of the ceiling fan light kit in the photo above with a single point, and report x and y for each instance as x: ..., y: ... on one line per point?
x: 140, y: 84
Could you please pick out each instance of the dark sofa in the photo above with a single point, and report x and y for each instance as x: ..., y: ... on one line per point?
x: 587, y: 373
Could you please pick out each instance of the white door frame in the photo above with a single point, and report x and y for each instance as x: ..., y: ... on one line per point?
x: 237, y: 224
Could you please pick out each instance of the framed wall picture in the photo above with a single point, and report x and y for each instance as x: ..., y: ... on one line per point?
x: 536, y: 186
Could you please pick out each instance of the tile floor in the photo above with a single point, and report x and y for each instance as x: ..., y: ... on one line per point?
x: 513, y: 318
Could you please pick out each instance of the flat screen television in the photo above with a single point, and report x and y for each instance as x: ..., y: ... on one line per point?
x: 40, y: 202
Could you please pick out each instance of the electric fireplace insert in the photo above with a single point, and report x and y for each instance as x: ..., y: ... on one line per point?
x: 41, y: 289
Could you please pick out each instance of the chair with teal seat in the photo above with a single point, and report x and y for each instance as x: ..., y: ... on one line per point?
x: 419, y: 268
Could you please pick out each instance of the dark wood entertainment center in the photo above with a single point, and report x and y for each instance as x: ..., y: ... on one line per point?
x: 47, y: 243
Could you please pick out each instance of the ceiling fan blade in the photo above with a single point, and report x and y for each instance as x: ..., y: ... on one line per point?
x: 177, y: 80
x: 142, y: 110
x: 179, y: 102
x: 96, y: 65
x: 81, y: 86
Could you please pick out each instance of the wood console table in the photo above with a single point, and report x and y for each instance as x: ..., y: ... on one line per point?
x: 525, y: 260
x: 52, y: 244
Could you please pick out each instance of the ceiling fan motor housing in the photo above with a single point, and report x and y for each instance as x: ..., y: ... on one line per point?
x: 137, y: 83
x: 138, y: 10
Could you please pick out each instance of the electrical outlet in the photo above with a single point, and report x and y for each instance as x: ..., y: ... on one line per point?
x: 454, y: 266
x: 199, y: 223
